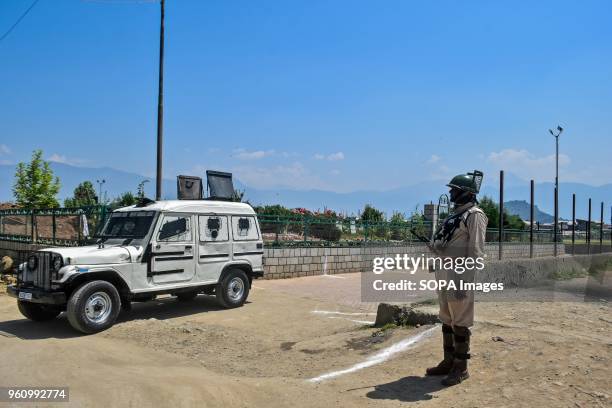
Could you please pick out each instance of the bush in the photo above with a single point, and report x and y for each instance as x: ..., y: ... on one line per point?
x: 323, y: 226
x: 400, y: 228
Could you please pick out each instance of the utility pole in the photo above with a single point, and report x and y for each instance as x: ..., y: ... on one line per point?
x: 160, y: 108
x: 556, y: 227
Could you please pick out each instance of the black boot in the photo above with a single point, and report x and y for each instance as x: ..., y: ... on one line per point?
x: 445, y: 365
x: 459, y: 372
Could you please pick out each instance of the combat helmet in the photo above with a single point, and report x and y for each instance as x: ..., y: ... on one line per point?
x: 469, y: 182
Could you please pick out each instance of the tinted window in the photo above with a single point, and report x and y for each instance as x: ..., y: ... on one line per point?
x: 175, y: 228
x: 135, y: 224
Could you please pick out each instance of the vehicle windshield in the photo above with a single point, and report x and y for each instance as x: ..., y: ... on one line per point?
x: 132, y: 224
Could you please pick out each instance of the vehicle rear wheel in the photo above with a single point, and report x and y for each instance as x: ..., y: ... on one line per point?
x: 38, y: 312
x: 233, y: 290
x: 186, y: 296
x: 94, y: 307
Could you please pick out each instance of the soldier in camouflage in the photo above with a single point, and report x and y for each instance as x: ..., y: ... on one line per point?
x: 461, y: 235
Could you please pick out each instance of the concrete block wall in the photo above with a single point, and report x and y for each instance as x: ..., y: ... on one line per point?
x: 296, y: 262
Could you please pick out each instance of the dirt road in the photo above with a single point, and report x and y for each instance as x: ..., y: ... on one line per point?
x: 167, y: 353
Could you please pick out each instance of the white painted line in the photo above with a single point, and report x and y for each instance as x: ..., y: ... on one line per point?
x: 379, y: 357
x: 341, y: 313
x: 334, y: 276
x: 350, y: 320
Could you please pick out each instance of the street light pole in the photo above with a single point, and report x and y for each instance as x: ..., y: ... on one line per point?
x: 100, y: 183
x: 556, y: 226
x: 160, y: 108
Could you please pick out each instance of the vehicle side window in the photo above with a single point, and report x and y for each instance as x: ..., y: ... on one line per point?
x: 175, y: 229
x: 213, y: 228
x: 244, y: 228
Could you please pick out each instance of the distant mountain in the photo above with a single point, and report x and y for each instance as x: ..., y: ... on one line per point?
x: 544, y: 197
x: 405, y: 199
x: 523, y: 210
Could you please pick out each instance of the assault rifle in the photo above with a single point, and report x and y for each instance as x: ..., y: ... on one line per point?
x: 419, y: 236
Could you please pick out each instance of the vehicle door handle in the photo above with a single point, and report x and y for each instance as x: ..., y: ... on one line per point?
x: 187, y: 247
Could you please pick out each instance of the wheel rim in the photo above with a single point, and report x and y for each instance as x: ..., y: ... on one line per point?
x: 235, y: 289
x: 98, y: 307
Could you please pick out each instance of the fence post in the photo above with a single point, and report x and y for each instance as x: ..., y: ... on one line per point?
x: 33, y: 220
x: 54, y: 225
x: 588, y: 236
x: 501, y: 214
x: 573, y: 223
x: 278, y: 226
x: 531, y: 212
x: 601, y: 230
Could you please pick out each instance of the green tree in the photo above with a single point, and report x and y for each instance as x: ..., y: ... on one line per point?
x: 124, y: 200
x: 371, y: 215
x: 35, y: 186
x: 400, y: 228
x: 141, y: 193
x: 84, y: 195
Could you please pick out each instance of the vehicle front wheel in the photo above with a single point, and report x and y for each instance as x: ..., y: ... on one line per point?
x: 94, y: 307
x: 233, y: 290
x: 38, y: 312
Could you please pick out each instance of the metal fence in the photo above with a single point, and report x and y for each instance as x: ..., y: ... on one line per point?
x: 52, y: 226
x: 66, y: 227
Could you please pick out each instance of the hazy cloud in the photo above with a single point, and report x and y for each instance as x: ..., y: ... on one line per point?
x: 331, y: 157
x: 433, y: 159
x: 525, y: 164
x: 243, y: 154
x: 4, y: 149
x: 58, y: 158
x: 294, y: 176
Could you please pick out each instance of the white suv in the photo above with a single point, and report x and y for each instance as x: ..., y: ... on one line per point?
x: 181, y: 248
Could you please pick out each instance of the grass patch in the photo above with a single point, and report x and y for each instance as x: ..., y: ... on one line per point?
x: 426, y: 302
x: 576, y: 272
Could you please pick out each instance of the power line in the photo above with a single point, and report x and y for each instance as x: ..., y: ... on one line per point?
x: 18, y: 20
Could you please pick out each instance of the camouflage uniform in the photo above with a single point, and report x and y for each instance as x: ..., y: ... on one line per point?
x: 461, y: 235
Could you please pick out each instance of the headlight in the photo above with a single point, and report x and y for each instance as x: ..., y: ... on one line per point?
x: 57, y: 262
x: 32, y: 262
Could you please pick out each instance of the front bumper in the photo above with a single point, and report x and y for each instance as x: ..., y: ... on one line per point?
x: 38, y: 295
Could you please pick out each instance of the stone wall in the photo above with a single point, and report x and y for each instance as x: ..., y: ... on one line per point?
x: 527, y: 272
x: 295, y: 262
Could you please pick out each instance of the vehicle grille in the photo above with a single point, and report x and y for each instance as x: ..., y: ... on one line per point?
x: 43, y: 274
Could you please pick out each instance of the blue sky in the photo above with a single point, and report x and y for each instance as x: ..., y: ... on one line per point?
x: 341, y: 95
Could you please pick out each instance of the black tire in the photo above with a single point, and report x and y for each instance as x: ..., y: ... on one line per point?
x: 186, y: 296
x: 94, y: 307
x: 38, y: 312
x: 229, y: 282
